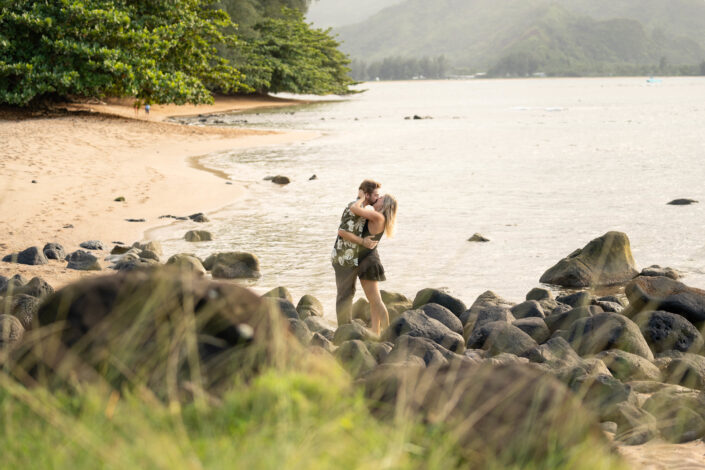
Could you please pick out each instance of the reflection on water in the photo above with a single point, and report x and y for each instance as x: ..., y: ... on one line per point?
x: 538, y: 166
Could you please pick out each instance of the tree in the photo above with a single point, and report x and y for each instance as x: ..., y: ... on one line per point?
x: 161, y: 51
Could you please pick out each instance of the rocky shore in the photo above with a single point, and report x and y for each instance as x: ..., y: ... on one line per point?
x: 634, y: 359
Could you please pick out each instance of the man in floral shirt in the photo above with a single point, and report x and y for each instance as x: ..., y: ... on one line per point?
x: 345, y: 254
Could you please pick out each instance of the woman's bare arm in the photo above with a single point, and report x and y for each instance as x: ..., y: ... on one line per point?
x: 368, y: 213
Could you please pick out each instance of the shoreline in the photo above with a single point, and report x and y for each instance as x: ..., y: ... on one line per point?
x: 63, y: 188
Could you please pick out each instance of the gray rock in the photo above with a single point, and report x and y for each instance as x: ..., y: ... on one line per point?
x: 600, y: 392
x: 680, y: 414
x: 352, y: 331
x: 665, y: 331
x: 317, y: 339
x: 634, y: 425
x: 151, y: 245
x: 23, y: 307
x: 443, y: 315
x: 534, y: 327
x: 609, y: 427
x: 187, y: 262
x: 54, y: 251
x: 613, y: 307
x: 405, y: 347
x: 487, y: 307
x: 148, y: 254
x: 604, y: 261
x: 134, y: 264
x: 380, y: 350
x: 682, y: 202
x: 120, y: 249
x: 316, y: 323
x: 539, y: 294
x: 530, y: 308
x: 32, y: 256
x: 437, y: 296
x: 92, y: 245
x: 626, y: 366
x: 309, y: 306
x: 478, y: 238
x: 300, y: 331
x: 500, y: 337
x: 576, y: 299
x: 199, y: 217
x: 355, y: 357
x: 687, y: 370
x: 361, y: 311
x: 656, y: 271
x: 608, y: 331
x: 280, y: 292
x: 83, y: 261
x: 662, y: 293
x: 281, y: 306
x: 556, y: 353
x: 417, y: 323
x: 233, y: 265
x: 198, y: 236
x: 11, y: 331
x: 281, y: 180
x: 563, y: 321
x: 36, y: 287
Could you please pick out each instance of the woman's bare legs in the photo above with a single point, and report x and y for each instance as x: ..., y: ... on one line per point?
x: 378, y: 311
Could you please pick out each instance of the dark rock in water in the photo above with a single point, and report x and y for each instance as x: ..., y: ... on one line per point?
x: 662, y: 293
x: 634, y: 425
x: 233, y: 265
x: 534, y: 327
x: 539, y: 294
x: 655, y: 271
x: 313, y: 177
x: 198, y: 236
x: 200, y: 217
x: 682, y: 202
x: 680, y: 414
x: 187, y: 262
x: 11, y: 331
x: 523, y: 411
x: 443, y: 315
x: 351, y: 331
x: 281, y: 180
x: 665, y: 331
x: 577, y: 299
x: 440, y: 297
x: 431, y: 353
x: 119, y: 199
x: 417, y: 323
x: 135, y: 220
x: 530, y: 308
x: 36, y: 287
x: 355, y: 357
x: 604, y: 261
x: 608, y: 331
x: 556, y: 353
x: 477, y: 237
x: 280, y: 292
x: 501, y: 337
x: 68, y: 226
x: 22, y: 306
x: 626, y: 367
x: 687, y: 370
x: 562, y: 321
x: 32, y: 256
x: 54, y: 251
x: 300, y: 331
x: 83, y: 261
x: 92, y: 245
x: 309, y: 306
x: 281, y: 306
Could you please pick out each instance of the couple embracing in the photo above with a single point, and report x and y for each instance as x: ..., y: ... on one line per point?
x: 355, y: 255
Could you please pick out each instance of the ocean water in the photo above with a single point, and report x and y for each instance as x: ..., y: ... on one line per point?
x: 540, y: 167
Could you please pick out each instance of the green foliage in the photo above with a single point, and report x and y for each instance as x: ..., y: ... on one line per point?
x: 161, y: 51
x: 285, y: 54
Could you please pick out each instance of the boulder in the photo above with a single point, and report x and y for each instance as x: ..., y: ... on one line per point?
x: 487, y: 307
x: 665, y: 331
x: 280, y: 292
x: 534, y: 327
x: 608, y: 331
x: 351, y: 331
x: 576, y: 299
x: 151, y: 245
x: 32, y: 256
x: 317, y: 339
x: 198, y: 236
x: 564, y: 320
x: 300, y: 331
x: 281, y: 180
x: 626, y: 367
x: 662, y: 293
x: 187, y: 262
x: 501, y: 337
x: 11, y: 331
x: 309, y: 306
x: 600, y: 392
x: 281, y: 306
x: 361, y: 311
x: 233, y: 265
x: 380, y: 350
x: 656, y: 271
x: 430, y: 352
x: 539, y: 294
x: 10, y: 286
x: 316, y: 323
x: 680, y: 414
x: 443, y: 315
x: 199, y: 217
x: 555, y: 354
x: 527, y: 309
x: 478, y: 237
x: 682, y: 202
x: 54, y: 251
x: 83, y: 261
x: 687, y: 370
x: 613, y: 307
x: 355, y: 357
x: 417, y: 323
x: 96, y: 245
x: 22, y: 306
x: 440, y: 297
x: 634, y: 425
x: 134, y: 264
x: 36, y: 287
x: 150, y: 255
x: 605, y: 260
x: 120, y: 249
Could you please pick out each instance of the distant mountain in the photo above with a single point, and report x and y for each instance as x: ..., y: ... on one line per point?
x: 519, y: 37
x: 335, y: 13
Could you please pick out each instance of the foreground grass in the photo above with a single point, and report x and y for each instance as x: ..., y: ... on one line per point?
x: 294, y: 420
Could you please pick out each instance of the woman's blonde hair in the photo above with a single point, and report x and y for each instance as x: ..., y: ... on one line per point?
x: 389, y: 210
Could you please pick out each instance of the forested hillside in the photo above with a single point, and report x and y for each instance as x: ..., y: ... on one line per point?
x: 523, y: 37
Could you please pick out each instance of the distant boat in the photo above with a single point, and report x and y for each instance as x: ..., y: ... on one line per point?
x: 653, y: 80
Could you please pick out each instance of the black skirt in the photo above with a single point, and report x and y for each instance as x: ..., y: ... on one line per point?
x: 370, y: 267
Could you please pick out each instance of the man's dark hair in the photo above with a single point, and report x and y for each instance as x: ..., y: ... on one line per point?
x: 368, y: 186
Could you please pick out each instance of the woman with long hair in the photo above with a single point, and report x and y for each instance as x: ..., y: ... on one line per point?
x: 381, y: 218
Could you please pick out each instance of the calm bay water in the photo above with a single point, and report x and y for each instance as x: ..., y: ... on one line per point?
x: 540, y: 167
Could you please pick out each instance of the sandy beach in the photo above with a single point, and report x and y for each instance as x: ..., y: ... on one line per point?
x: 60, y: 174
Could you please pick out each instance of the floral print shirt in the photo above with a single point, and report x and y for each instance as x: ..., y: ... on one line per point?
x: 345, y: 253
